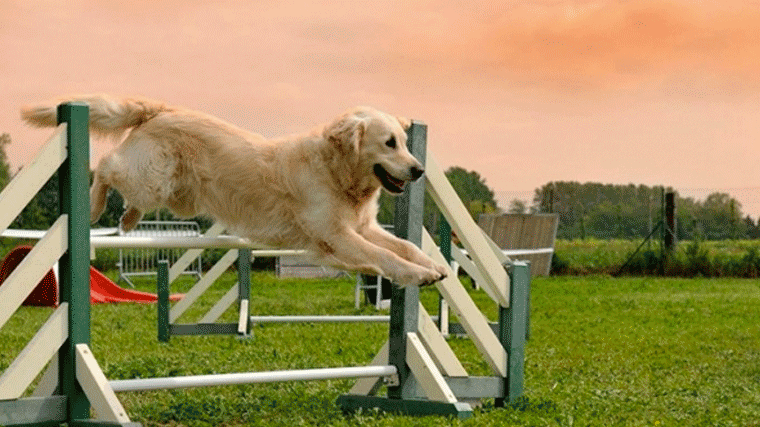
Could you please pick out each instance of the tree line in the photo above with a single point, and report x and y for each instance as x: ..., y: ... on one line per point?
x: 608, y: 211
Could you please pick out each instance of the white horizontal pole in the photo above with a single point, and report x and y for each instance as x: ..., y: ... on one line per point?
x: 319, y: 319
x: 221, y: 242
x: 517, y: 252
x: 251, y: 378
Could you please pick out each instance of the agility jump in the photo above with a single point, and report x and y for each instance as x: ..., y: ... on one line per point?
x: 421, y: 371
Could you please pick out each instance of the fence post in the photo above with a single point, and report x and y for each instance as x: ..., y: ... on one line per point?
x: 444, y: 242
x: 162, y: 285
x: 513, y: 331
x: 670, y: 221
x: 244, y: 286
x: 410, y: 207
x: 74, y: 265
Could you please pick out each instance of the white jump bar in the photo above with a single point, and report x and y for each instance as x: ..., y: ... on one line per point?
x: 319, y: 319
x: 518, y: 252
x: 144, y: 384
x: 222, y: 242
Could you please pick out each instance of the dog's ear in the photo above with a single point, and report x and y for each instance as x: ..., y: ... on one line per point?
x: 346, y: 133
x: 404, y: 122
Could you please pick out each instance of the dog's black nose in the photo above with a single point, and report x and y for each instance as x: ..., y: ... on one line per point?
x: 416, y: 172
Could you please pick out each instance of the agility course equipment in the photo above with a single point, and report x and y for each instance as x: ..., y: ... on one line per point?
x: 422, y: 373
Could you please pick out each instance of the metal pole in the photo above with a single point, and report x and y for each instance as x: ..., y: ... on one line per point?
x: 251, y: 378
x: 319, y: 319
x: 670, y: 221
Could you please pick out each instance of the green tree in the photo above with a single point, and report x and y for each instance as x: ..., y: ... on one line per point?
x: 630, y: 211
x: 517, y: 206
x: 471, y: 188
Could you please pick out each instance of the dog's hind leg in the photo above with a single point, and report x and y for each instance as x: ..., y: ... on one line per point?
x: 130, y: 218
x: 98, y: 197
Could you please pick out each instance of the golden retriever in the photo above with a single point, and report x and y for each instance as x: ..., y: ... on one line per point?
x: 317, y: 190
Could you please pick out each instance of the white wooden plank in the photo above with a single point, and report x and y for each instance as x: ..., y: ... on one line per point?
x: 49, y: 381
x: 469, y: 267
x: 97, y: 389
x: 369, y: 386
x: 208, y: 279
x: 437, y: 347
x: 221, y: 306
x: 23, y: 187
x: 469, y: 233
x: 36, y: 354
x: 243, y: 318
x: 191, y: 254
x: 503, y: 258
x: 33, y: 268
x: 472, y: 319
x: 425, y: 372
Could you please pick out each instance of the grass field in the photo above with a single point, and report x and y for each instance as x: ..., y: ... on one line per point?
x: 720, y: 258
x: 603, y: 352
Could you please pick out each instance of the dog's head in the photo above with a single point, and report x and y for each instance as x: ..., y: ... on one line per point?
x: 376, y: 143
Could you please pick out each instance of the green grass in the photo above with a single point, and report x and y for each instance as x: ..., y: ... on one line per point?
x: 723, y: 258
x: 603, y: 351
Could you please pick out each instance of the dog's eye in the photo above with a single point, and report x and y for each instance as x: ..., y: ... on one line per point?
x: 391, y: 142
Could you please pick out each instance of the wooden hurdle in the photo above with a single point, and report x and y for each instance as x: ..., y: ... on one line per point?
x: 422, y: 373
x: 73, y: 381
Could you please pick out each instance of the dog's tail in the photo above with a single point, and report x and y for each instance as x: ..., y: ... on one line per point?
x: 108, y: 116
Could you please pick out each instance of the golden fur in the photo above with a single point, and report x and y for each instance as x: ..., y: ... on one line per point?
x: 316, y: 190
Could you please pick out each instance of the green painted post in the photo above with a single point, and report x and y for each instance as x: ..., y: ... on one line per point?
x: 162, y: 285
x: 512, y: 331
x: 74, y: 265
x: 444, y: 238
x: 244, y: 280
x: 405, y: 309
x: 410, y: 207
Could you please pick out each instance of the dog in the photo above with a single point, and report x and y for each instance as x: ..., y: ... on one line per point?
x: 317, y: 190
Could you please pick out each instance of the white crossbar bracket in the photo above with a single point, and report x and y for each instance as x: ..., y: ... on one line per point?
x: 243, y: 318
x: 425, y: 372
x: 97, y: 388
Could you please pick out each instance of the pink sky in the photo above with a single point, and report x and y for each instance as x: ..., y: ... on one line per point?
x: 524, y: 92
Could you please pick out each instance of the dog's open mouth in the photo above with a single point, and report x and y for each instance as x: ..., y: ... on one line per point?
x: 391, y: 183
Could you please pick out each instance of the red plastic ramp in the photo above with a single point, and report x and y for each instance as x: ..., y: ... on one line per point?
x: 102, y: 289
x: 105, y: 290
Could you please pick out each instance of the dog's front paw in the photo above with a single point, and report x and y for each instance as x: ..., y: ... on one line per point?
x: 420, y: 277
x: 442, y: 270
